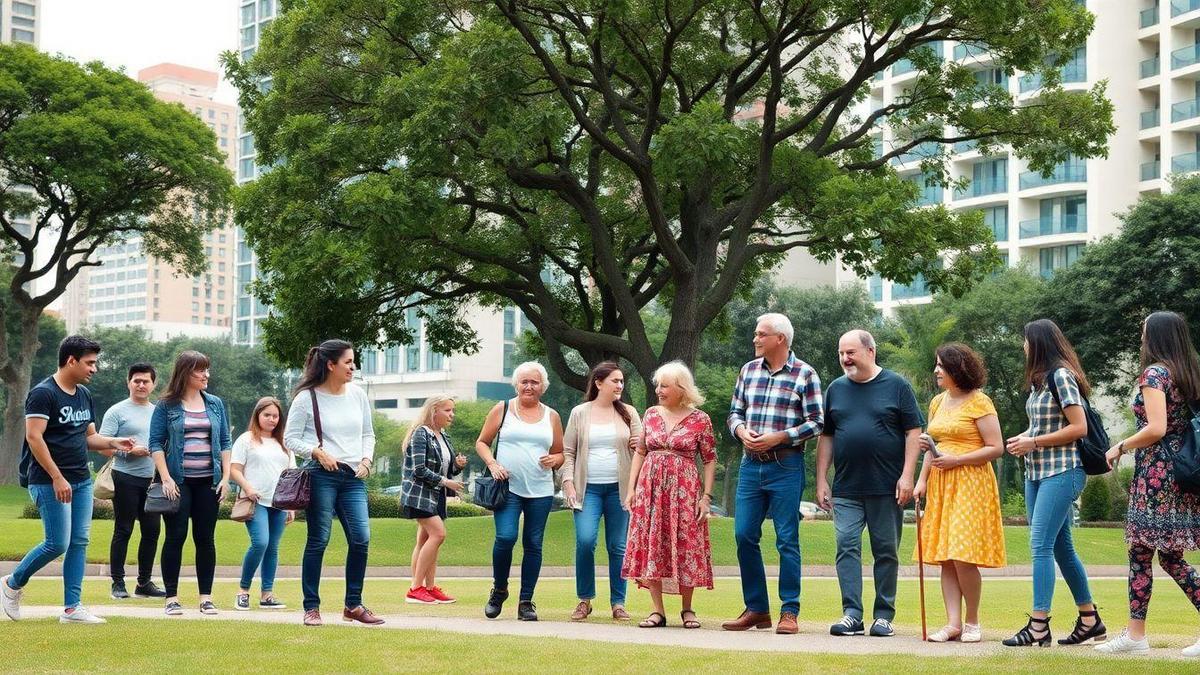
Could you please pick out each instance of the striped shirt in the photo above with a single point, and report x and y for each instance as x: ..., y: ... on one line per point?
x: 1046, y: 417
x: 788, y: 399
x: 197, y: 444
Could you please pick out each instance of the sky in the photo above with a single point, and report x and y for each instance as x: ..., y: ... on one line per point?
x: 140, y: 33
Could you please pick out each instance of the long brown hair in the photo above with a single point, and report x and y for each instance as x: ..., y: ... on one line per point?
x: 600, y: 373
x: 256, y: 430
x: 1050, y: 350
x: 186, y: 363
x: 316, y: 363
x: 1168, y: 342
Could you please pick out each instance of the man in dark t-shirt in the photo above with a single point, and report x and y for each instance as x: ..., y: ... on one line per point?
x: 59, y: 431
x: 871, y: 432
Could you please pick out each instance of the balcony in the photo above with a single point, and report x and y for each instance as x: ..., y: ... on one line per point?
x: 1185, y: 56
x: 920, y: 152
x: 1051, y: 225
x: 1149, y: 67
x: 907, y: 66
x: 962, y: 147
x: 984, y: 186
x: 1151, y: 170
x: 1185, y: 110
x: 917, y: 288
x: 1183, y: 6
x: 1148, y: 17
x: 1185, y: 163
x: 1150, y: 118
x: 1072, y: 172
x: 1073, y: 71
x: 965, y: 51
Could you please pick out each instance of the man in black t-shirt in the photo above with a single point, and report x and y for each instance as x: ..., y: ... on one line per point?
x: 872, y: 427
x: 59, y: 431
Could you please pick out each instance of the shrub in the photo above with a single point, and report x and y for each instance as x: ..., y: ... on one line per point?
x: 1096, y: 500
x: 1014, y: 505
x: 380, y: 505
x: 464, y: 510
x: 101, y: 510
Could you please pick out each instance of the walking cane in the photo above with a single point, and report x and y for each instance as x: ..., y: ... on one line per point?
x: 921, y: 569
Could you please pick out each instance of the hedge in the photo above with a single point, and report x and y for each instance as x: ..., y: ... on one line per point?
x: 379, y: 505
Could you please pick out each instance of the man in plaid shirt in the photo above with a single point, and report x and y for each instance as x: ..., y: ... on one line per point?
x: 776, y: 407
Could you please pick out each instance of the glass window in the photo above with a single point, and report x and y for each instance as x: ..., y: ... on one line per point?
x: 247, y: 13
x: 266, y: 8
x: 434, y: 361
x: 391, y: 360
x: 246, y: 169
x: 243, y: 306
x: 24, y: 9
x: 24, y: 23
x: 510, y: 324
x: 19, y: 35
x: 370, y: 361
x: 415, y: 402
x: 387, y: 404
x: 509, y: 359
x: 248, y: 36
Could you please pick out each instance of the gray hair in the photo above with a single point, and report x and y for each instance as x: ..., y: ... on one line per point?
x: 527, y: 366
x: 863, y: 336
x: 780, y: 324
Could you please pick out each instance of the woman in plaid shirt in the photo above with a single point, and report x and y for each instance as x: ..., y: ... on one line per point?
x: 1054, y: 478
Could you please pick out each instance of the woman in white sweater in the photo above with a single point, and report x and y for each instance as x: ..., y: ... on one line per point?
x: 329, y: 423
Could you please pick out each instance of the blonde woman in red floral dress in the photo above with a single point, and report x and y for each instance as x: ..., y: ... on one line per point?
x: 667, y: 549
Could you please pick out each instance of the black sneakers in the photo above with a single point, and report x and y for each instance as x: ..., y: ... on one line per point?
x: 526, y: 611
x: 495, y: 603
x: 118, y: 591
x: 849, y: 625
x: 271, y: 602
x: 148, y: 590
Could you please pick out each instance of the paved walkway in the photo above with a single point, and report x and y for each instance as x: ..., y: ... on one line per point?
x: 808, y: 642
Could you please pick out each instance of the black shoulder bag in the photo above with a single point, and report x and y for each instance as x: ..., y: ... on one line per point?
x: 1186, y: 462
x: 487, y: 491
x: 1092, y: 447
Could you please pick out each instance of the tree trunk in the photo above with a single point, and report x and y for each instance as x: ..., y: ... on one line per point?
x: 16, y: 379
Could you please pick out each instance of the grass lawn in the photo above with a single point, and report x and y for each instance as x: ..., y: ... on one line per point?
x: 469, y: 541
x: 278, y: 648
x: 1173, y: 621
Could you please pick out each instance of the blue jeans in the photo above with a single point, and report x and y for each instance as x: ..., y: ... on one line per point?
x: 66, y: 528
x: 600, y: 500
x: 883, y: 518
x: 1048, y: 505
x: 336, y: 492
x: 772, y: 487
x: 265, y: 529
x: 508, y: 518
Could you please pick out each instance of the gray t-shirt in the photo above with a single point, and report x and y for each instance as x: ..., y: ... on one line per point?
x: 130, y: 419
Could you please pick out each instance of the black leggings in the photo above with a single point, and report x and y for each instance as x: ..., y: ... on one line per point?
x: 129, y: 505
x: 198, y: 501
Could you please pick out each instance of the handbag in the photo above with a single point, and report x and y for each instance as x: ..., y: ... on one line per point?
x: 103, y: 486
x: 489, y: 492
x: 157, y: 502
x: 1094, y: 445
x: 243, y: 510
x: 294, y: 489
x: 1186, y: 462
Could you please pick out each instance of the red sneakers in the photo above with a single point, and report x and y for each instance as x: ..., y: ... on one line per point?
x: 439, y: 595
x: 420, y: 596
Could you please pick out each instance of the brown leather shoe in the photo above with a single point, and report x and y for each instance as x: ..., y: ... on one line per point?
x: 582, y: 611
x: 749, y: 620
x: 787, y: 624
x: 619, y: 613
x: 312, y: 617
x: 362, y: 615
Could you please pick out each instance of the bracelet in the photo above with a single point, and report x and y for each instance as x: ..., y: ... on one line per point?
x: 1034, y: 439
x: 1121, y: 448
x: 707, y: 496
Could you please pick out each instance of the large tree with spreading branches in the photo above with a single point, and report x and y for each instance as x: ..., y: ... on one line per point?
x: 581, y: 160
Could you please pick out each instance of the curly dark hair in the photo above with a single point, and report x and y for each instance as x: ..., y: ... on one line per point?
x: 963, y: 365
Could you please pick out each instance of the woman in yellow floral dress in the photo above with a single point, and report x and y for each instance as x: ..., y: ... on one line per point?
x: 961, y: 529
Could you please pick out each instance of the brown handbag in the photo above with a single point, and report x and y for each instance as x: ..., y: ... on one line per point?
x: 294, y: 489
x: 243, y: 510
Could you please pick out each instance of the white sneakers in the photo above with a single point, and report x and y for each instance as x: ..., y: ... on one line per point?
x: 79, y: 615
x: 10, y: 599
x: 1124, y: 645
x: 1193, y: 651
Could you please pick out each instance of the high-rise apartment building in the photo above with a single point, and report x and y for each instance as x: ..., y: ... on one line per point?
x: 20, y: 21
x: 130, y: 288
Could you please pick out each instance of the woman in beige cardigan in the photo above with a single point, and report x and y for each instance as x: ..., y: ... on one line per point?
x: 598, y: 446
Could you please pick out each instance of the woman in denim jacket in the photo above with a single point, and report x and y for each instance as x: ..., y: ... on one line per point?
x: 191, y: 445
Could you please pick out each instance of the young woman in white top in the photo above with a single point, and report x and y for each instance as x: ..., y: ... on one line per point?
x: 598, y: 450
x: 528, y: 452
x: 258, y: 460
x: 340, y: 462
x: 429, y: 465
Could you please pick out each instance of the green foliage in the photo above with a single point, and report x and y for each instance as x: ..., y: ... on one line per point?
x: 1152, y: 264
x: 586, y: 161
x: 1013, y: 505
x: 918, y: 331
x: 1095, y: 504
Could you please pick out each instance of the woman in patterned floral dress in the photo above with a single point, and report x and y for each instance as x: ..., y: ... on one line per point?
x: 1161, y: 517
x: 668, y: 549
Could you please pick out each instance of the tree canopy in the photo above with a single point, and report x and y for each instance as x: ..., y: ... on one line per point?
x: 582, y: 160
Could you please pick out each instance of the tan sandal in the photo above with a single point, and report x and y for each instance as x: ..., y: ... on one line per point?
x: 946, y: 634
x: 689, y: 623
x: 582, y: 611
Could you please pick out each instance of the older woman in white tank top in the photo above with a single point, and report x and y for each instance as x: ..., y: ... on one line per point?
x: 528, y: 451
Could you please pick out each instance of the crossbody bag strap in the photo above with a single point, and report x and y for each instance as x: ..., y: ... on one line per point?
x: 317, y: 418
x: 503, y: 416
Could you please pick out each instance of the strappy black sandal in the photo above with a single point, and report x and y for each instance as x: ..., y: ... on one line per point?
x: 689, y: 623
x: 650, y: 622
x: 1025, y: 637
x: 1084, y: 634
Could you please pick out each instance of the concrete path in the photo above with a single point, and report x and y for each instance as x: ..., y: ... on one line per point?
x: 812, y: 640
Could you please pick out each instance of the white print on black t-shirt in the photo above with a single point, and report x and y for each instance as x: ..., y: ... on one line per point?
x: 67, y: 414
